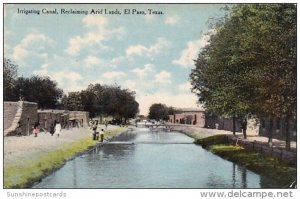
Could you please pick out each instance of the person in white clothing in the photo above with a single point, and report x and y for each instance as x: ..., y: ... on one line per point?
x: 102, y: 135
x: 57, y: 128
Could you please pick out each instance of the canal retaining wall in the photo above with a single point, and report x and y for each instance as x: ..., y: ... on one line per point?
x: 264, y: 148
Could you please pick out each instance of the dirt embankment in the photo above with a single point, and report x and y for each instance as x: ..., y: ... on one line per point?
x: 28, y: 158
x: 29, y: 147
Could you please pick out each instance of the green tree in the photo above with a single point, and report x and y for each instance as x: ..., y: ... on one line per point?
x: 277, y: 72
x: 41, y: 90
x: 73, y: 101
x: 170, y: 110
x: 128, y: 106
x: 10, y: 73
x: 158, y: 111
x: 109, y: 100
x: 250, y: 63
x: 120, y: 103
x: 88, y: 98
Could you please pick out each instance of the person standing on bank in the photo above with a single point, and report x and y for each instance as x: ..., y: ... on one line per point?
x: 52, y: 129
x: 101, y: 135
x: 58, y: 128
x: 244, y: 127
x: 36, y: 129
x: 94, y: 128
x: 106, y: 124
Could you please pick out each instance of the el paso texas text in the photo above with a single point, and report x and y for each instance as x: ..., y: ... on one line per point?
x: 104, y: 11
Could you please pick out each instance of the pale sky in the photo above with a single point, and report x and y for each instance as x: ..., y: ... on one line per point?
x: 151, y: 54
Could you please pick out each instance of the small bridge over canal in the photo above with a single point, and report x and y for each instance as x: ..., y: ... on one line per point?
x: 155, y: 127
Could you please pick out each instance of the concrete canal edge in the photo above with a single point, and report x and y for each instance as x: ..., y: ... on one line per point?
x: 19, y: 176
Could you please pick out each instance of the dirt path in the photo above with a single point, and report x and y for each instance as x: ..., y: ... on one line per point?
x: 29, y: 147
x: 198, y: 133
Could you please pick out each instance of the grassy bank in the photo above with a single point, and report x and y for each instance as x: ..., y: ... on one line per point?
x: 189, y: 132
x: 274, y: 168
x: 212, y: 140
x: 23, y: 174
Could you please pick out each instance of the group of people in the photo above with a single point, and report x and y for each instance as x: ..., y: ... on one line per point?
x: 55, y: 128
x: 94, y: 127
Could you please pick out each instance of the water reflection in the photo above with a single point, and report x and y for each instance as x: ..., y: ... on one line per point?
x: 146, y: 164
x: 127, y: 136
x: 244, y: 177
x: 74, y: 174
x: 233, y: 175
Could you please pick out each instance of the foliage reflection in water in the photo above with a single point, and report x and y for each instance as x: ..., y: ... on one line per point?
x: 155, y: 160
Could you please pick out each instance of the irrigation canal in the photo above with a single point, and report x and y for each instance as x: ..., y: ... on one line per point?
x: 140, y: 158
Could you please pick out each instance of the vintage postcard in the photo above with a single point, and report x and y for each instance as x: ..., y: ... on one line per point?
x: 150, y: 96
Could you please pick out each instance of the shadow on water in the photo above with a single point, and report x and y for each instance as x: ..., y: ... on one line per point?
x: 125, y: 137
x: 149, y: 165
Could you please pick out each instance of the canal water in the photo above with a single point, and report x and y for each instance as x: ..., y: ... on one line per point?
x: 144, y: 159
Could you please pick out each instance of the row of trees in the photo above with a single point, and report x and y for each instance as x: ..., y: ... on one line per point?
x: 249, y: 65
x: 96, y: 99
x: 103, y: 100
x: 158, y: 111
x: 38, y: 89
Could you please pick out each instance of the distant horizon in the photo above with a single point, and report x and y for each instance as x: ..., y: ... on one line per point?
x: 149, y: 52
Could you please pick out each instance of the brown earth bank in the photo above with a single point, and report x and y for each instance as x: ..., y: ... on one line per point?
x: 28, y: 159
x: 199, y: 133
